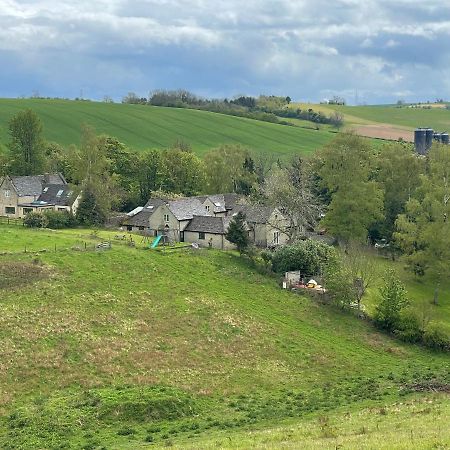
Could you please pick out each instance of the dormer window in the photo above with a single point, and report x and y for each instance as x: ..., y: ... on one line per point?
x: 45, y: 189
x: 60, y: 192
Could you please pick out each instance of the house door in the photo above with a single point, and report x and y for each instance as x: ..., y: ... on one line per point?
x: 181, y: 236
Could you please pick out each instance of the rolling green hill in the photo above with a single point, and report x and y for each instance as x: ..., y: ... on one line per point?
x: 129, y: 347
x: 143, y: 127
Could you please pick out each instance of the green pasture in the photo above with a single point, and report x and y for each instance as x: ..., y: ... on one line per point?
x: 129, y: 347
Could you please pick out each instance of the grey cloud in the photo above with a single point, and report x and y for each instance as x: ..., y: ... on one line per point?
x: 307, y: 49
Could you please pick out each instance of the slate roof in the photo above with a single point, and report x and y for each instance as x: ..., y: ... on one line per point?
x: 57, y: 194
x: 219, y: 203
x: 186, y: 208
x: 255, y: 214
x: 142, y: 218
x: 33, y: 185
x: 208, y: 224
x: 222, y: 202
x: 232, y: 200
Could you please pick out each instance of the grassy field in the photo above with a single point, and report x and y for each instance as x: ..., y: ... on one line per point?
x: 438, y: 119
x: 420, y: 293
x: 144, y: 127
x: 419, y: 422
x: 126, y: 348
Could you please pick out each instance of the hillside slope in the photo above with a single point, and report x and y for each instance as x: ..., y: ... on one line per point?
x: 143, y: 127
x: 127, y: 346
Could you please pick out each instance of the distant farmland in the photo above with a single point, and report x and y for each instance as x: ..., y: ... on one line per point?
x: 437, y: 118
x: 144, y: 127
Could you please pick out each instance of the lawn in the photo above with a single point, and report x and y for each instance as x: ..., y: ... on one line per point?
x: 143, y: 127
x: 123, y: 347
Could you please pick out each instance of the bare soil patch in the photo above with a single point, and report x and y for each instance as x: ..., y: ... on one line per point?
x: 14, y: 274
x: 385, y: 131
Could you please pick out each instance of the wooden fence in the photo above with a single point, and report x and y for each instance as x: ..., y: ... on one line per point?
x: 10, y: 221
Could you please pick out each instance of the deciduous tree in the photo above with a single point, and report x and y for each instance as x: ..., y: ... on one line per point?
x: 26, y: 145
x: 345, y: 168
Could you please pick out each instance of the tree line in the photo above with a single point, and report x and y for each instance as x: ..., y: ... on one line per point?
x: 267, y: 108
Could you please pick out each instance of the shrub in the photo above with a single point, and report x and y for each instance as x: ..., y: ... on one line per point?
x: 35, y: 220
x: 309, y: 257
x: 393, y: 300
x: 409, y: 328
x: 59, y: 219
x: 126, y: 431
x: 339, y: 290
x: 435, y: 337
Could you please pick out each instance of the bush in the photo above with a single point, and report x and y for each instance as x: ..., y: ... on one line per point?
x: 339, y: 290
x: 435, y: 337
x: 59, y: 219
x: 309, y: 257
x: 35, y: 220
x: 409, y: 328
x: 393, y: 300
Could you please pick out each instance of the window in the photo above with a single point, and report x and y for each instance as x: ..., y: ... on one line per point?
x: 141, y: 228
x: 45, y: 189
x: 7, y: 193
x: 166, y: 217
x: 201, y: 235
x: 129, y: 228
x: 60, y: 192
x: 207, y: 208
x: 62, y: 209
x: 27, y: 210
x: 10, y: 210
x: 276, y: 237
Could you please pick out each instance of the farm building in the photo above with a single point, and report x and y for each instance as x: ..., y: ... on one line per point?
x: 24, y: 194
x: 204, y: 220
x: 208, y: 231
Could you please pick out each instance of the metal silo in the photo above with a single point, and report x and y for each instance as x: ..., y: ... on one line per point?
x: 444, y: 138
x: 429, y: 133
x: 420, y: 140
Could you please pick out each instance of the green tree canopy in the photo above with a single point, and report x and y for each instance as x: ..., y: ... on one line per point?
x: 398, y: 173
x: 229, y: 169
x: 26, y: 146
x: 345, y: 167
x: 423, y: 231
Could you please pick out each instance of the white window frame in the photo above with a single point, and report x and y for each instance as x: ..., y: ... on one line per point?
x: 7, y: 193
x: 166, y: 217
x: 276, y: 237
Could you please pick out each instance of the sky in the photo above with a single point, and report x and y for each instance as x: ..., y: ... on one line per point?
x: 367, y: 51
